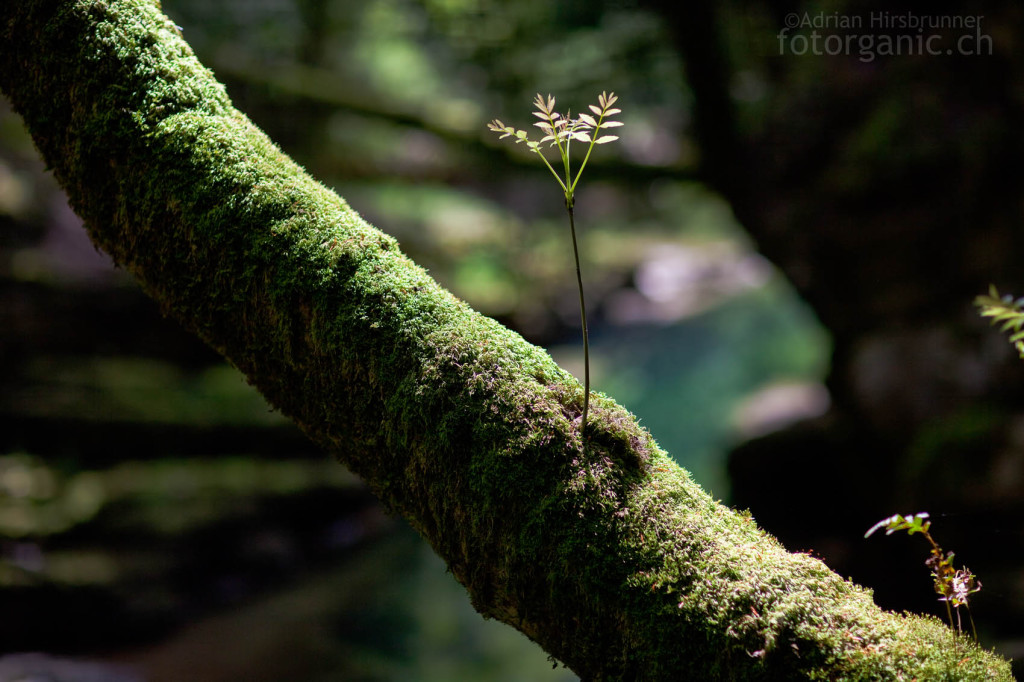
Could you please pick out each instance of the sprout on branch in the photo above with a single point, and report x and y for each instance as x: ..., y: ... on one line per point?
x: 560, y: 131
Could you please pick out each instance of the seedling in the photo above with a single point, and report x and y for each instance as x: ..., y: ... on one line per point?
x: 560, y: 132
x: 953, y: 586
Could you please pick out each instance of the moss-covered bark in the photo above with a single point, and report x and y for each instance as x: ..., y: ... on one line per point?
x: 603, y: 551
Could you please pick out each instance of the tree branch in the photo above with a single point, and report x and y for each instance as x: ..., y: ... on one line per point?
x: 603, y: 551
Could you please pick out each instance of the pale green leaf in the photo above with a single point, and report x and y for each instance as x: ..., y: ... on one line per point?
x: 548, y: 106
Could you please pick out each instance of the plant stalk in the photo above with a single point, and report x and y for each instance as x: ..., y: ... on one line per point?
x: 583, y: 317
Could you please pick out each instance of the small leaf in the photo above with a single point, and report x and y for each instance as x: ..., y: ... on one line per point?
x: 595, y: 109
x: 878, y: 526
x: 611, y: 124
x: 612, y: 112
x: 606, y: 139
x: 588, y: 120
x: 580, y: 136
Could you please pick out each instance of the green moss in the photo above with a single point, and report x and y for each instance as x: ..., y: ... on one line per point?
x: 603, y: 551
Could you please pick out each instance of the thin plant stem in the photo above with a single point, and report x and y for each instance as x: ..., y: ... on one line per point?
x: 560, y: 131
x: 974, y: 630
x: 583, y: 317
x: 593, y: 140
x: 553, y: 172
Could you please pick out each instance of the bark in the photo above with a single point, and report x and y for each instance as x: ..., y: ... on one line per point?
x: 601, y: 550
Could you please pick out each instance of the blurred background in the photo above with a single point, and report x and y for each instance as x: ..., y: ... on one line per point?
x: 780, y: 255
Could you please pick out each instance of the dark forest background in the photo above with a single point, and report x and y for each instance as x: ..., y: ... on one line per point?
x: 780, y: 253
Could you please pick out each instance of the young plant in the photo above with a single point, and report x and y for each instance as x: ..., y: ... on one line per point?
x: 953, y: 586
x: 560, y: 132
x: 1006, y: 310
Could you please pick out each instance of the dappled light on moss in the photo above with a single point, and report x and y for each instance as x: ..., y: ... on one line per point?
x: 588, y: 540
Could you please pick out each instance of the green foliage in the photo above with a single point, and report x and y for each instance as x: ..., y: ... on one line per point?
x: 1007, y: 311
x: 456, y: 422
x: 560, y: 132
x: 953, y: 586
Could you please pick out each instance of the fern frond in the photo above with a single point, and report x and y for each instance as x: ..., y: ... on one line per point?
x: 1005, y: 311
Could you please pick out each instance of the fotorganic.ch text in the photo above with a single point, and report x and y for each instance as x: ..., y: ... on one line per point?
x: 883, y: 34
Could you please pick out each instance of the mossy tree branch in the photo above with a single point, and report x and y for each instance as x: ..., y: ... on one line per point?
x: 603, y: 551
